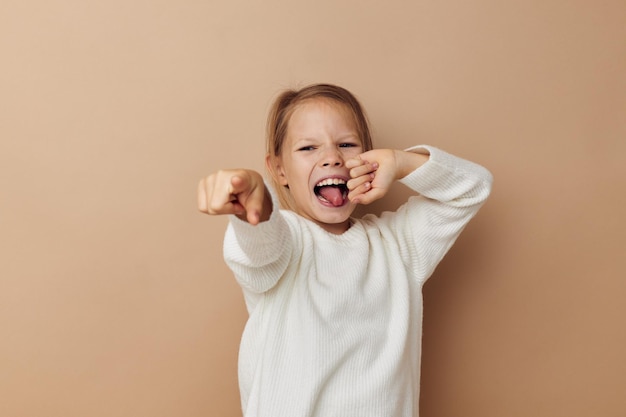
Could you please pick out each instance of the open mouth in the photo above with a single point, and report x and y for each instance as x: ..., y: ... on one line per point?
x: 332, y: 191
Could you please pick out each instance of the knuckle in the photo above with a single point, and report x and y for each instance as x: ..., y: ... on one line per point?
x: 214, y: 208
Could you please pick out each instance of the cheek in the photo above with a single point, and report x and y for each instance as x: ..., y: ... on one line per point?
x: 352, y: 152
x: 294, y: 172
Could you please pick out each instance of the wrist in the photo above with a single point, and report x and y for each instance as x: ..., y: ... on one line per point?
x: 408, y: 162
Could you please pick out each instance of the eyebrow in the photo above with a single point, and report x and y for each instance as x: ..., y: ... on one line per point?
x: 353, y: 135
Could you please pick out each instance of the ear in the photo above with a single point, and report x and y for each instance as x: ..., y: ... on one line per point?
x: 274, y: 166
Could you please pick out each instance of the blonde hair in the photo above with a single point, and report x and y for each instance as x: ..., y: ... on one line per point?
x: 284, y: 106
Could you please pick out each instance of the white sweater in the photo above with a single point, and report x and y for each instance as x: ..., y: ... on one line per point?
x: 335, y: 321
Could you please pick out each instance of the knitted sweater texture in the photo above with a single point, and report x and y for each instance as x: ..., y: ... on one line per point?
x: 335, y: 321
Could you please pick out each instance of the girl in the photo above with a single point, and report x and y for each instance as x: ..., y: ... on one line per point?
x: 335, y: 302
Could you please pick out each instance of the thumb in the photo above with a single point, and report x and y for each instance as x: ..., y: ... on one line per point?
x: 371, y: 196
x: 238, y: 184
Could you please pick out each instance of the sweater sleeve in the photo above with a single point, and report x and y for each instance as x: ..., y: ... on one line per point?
x: 258, y: 255
x: 451, y: 191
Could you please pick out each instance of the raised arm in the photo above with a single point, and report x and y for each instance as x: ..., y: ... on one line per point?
x: 450, y: 191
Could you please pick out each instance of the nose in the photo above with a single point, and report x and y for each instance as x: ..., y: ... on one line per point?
x: 332, y: 158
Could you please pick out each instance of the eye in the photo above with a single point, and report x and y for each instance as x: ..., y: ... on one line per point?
x: 306, y: 148
x: 348, y: 145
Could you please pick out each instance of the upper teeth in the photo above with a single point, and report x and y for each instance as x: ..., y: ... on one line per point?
x: 330, y: 181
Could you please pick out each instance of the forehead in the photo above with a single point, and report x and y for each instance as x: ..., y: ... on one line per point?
x: 321, y: 113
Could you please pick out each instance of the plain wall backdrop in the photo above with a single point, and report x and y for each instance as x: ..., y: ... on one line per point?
x: 114, y: 299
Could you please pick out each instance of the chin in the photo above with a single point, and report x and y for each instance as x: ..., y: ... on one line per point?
x: 336, y: 219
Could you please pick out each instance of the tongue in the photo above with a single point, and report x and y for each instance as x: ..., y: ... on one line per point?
x: 333, y: 195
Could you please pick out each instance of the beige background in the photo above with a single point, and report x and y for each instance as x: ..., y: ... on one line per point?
x: 114, y: 300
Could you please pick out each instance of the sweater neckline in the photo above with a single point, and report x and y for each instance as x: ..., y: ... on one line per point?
x: 345, y: 237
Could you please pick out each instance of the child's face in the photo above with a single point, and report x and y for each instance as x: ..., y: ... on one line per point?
x: 321, y: 136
